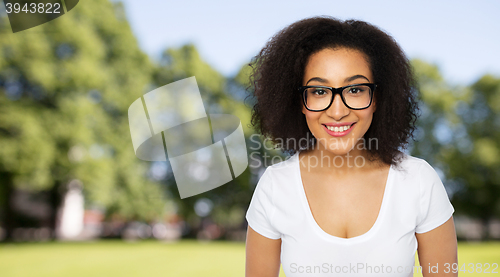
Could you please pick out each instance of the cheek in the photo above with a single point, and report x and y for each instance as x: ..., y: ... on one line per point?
x: 312, y: 120
x: 310, y: 116
x: 368, y: 117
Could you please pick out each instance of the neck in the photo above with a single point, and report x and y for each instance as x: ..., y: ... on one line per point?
x: 356, y: 160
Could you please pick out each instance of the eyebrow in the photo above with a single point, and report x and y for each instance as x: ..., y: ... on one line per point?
x: 352, y: 78
x: 348, y: 79
x: 318, y: 79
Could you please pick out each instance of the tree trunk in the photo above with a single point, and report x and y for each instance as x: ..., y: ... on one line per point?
x: 55, y: 199
x: 7, y: 192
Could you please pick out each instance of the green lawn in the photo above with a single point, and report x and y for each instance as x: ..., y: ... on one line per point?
x: 479, y: 254
x: 152, y: 258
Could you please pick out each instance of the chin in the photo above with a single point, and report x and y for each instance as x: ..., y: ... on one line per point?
x: 339, y: 152
x: 337, y: 148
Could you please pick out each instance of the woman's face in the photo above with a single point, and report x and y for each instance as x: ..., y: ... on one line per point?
x: 337, y: 68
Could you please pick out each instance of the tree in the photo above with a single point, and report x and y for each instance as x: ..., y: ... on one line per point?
x: 475, y: 159
x: 458, y: 134
x: 65, y: 88
x: 229, y: 200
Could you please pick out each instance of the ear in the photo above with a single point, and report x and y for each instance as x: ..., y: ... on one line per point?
x: 304, y: 110
x: 374, y: 104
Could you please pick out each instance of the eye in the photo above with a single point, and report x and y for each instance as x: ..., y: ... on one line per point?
x: 355, y: 90
x: 319, y: 91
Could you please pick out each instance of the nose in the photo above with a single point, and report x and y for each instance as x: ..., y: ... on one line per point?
x: 338, y: 109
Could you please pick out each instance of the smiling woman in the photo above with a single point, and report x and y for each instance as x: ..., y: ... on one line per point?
x: 351, y: 115
x: 339, y: 205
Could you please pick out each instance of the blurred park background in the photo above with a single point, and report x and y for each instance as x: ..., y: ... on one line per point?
x: 75, y: 200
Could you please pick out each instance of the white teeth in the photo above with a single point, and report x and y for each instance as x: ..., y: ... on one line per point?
x: 338, y: 129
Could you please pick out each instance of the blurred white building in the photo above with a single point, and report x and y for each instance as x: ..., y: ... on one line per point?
x: 71, y: 212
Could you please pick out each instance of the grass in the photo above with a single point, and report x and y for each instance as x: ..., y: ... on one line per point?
x: 473, y: 259
x: 118, y: 258
x: 152, y: 258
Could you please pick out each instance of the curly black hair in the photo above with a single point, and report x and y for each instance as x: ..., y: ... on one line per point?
x: 278, y: 71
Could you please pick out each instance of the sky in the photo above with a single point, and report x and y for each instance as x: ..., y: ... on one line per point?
x: 460, y: 37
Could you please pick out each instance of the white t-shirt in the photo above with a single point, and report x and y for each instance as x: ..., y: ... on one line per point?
x: 414, y: 201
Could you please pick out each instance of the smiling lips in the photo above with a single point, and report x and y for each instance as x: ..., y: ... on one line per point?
x: 338, y: 130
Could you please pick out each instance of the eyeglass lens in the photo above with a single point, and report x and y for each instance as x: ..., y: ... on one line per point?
x: 355, y: 97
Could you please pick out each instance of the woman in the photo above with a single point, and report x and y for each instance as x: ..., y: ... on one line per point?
x: 338, y: 96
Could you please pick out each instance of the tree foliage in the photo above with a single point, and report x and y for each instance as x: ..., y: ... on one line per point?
x: 231, y: 199
x: 459, y: 134
x: 65, y: 88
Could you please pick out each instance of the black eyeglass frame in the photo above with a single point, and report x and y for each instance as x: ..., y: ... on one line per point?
x: 336, y: 91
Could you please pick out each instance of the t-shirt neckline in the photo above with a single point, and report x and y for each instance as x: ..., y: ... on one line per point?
x: 327, y: 236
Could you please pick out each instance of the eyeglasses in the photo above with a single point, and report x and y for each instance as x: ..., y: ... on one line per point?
x: 355, y: 97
